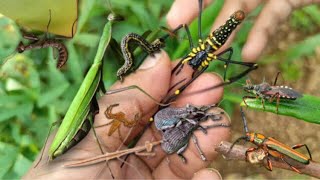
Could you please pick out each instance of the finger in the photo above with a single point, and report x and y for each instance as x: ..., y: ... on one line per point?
x: 229, y: 7
x: 183, y: 12
x: 271, y: 16
x: 207, y: 173
x: 134, y: 105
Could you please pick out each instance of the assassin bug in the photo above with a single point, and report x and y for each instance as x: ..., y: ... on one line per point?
x: 37, y: 43
x: 178, y: 124
x: 273, y: 148
x: 269, y: 92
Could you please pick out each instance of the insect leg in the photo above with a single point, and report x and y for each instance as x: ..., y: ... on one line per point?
x: 140, y: 89
x: 214, y: 117
x: 182, y: 88
x: 45, y: 142
x: 247, y: 97
x: 204, y: 130
x: 230, y: 51
x: 248, y: 151
x: 195, y: 141
x: 269, y: 164
x: 230, y: 80
x: 302, y: 145
x: 292, y: 167
x: 120, y: 136
x: 177, y: 69
x: 276, y: 95
x: 216, y: 125
x: 31, y: 37
x: 175, y: 85
x: 228, y: 61
x: 180, y: 151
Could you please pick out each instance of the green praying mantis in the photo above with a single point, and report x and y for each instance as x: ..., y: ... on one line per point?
x: 80, y: 105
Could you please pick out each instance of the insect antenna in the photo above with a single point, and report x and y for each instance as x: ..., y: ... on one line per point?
x: 276, y: 79
x: 47, y: 33
x: 236, y: 142
x: 200, y: 3
x: 244, y: 120
x: 8, y: 58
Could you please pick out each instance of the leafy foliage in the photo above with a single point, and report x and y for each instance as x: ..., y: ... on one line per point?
x: 34, y: 94
x: 305, y: 108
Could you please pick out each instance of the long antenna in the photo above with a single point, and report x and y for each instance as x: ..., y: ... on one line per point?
x: 109, y: 6
x: 199, y: 19
x: 244, y: 120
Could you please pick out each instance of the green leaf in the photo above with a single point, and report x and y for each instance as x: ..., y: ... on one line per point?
x: 21, y: 165
x: 314, y: 13
x: 295, y: 51
x: 86, y: 39
x: 86, y: 7
x: 19, y: 110
x: 305, y: 108
x: 8, y: 155
x: 34, y: 14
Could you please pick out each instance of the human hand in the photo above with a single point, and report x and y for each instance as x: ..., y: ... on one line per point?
x: 274, y: 13
x: 154, y: 76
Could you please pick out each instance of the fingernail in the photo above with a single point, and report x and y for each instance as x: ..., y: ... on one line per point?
x: 208, y: 173
x: 212, y: 170
x: 150, y: 61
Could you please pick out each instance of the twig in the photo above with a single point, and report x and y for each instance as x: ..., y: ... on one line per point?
x: 238, y: 153
x: 108, y: 156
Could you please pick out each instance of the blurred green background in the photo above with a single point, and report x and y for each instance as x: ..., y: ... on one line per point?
x: 34, y: 94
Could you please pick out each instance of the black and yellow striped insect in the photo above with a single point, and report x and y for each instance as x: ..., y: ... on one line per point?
x: 205, y: 52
